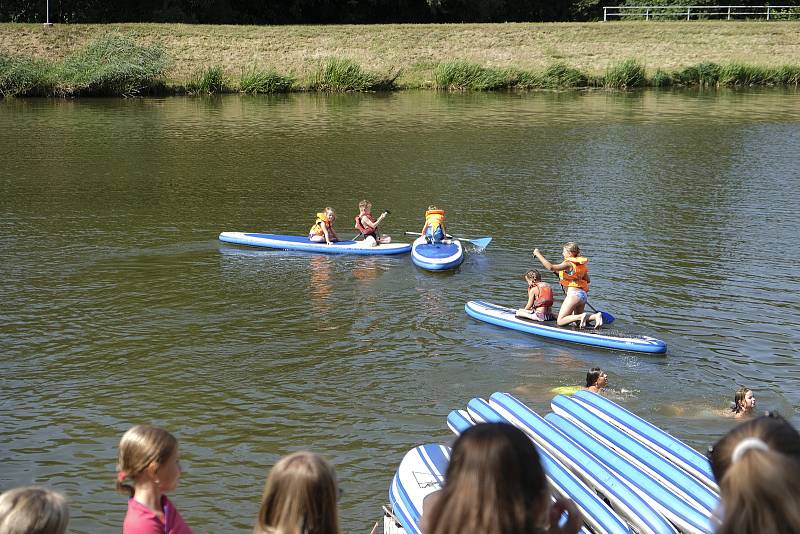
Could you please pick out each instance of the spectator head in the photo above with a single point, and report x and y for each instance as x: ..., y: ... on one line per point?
x: 33, y: 510
x: 140, y: 447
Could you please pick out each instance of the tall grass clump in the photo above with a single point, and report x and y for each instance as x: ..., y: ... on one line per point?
x: 735, y: 74
x: 25, y: 77
x: 661, y: 78
x: 624, y: 75
x: 560, y: 74
x: 465, y: 76
x: 113, y: 65
x: 208, y: 81
x: 342, y: 75
x: 787, y: 75
x: 255, y: 80
x: 700, y: 74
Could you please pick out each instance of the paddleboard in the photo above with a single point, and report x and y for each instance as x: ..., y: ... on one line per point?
x: 686, y: 486
x: 599, y: 517
x: 302, y: 243
x: 605, y: 338
x: 666, y: 445
x: 421, y: 472
x: 442, y: 256
x: 682, y: 514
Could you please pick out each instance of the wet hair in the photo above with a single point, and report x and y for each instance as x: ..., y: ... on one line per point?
x: 494, y: 483
x: 593, y: 376
x: 364, y: 204
x: 139, y: 447
x: 757, y: 467
x: 533, y: 276
x: 738, y: 400
x: 330, y: 210
x: 33, y: 510
x: 432, y: 207
x: 572, y: 248
x: 299, y: 497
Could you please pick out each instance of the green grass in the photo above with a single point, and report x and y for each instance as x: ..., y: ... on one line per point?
x: 465, y: 76
x: 255, y: 80
x: 208, y: 81
x: 25, y: 77
x: 625, y: 75
x: 342, y: 75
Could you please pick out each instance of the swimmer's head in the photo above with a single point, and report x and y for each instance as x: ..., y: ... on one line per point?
x: 596, y: 377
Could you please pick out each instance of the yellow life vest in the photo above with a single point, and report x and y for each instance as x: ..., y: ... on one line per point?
x: 434, y: 218
x: 575, y: 276
x: 317, y: 228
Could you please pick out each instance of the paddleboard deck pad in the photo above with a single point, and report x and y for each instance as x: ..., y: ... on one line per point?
x: 302, y: 243
x: 447, y: 254
x: 602, y: 337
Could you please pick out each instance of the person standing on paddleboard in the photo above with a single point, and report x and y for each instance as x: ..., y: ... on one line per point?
x: 323, y: 227
x: 367, y: 225
x: 574, y: 278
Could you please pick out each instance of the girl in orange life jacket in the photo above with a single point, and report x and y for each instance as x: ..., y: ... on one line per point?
x: 540, y: 298
x: 368, y: 225
x: 574, y: 278
x: 434, y: 230
x: 323, y: 227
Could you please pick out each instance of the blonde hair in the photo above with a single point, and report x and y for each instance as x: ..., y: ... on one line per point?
x: 572, y: 248
x: 299, y: 497
x: 364, y: 204
x: 139, y: 447
x: 330, y: 210
x: 757, y: 467
x: 533, y: 276
x: 33, y: 510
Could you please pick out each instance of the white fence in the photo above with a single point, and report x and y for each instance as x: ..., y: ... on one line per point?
x: 701, y: 12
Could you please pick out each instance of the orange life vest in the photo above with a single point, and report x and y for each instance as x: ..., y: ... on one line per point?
x: 434, y: 218
x: 545, y: 298
x: 365, y: 230
x: 575, y: 276
x: 317, y: 228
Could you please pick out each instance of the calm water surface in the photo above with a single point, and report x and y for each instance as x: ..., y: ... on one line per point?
x: 118, y: 304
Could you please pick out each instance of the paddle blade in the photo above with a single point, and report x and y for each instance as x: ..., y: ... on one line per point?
x: 481, y: 242
x: 607, y: 317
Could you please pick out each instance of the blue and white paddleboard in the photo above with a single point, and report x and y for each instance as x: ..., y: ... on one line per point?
x: 678, y: 481
x: 447, y: 254
x: 624, y: 500
x: 672, y: 506
x: 421, y: 472
x: 599, y: 517
x: 603, y: 337
x: 302, y: 243
x: 666, y: 445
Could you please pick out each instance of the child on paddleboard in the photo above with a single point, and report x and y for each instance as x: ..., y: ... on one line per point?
x: 323, y: 227
x: 540, y: 298
x: 434, y: 229
x: 367, y: 225
x: 574, y: 279
x: 148, y: 457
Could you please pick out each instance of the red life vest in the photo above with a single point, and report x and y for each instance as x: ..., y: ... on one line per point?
x: 545, y: 298
x: 365, y: 230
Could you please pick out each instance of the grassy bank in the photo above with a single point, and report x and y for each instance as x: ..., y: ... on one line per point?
x: 469, y: 56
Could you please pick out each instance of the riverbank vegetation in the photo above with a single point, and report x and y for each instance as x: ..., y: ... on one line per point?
x: 134, y: 59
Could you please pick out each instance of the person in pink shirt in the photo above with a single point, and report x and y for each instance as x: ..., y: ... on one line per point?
x: 148, y: 457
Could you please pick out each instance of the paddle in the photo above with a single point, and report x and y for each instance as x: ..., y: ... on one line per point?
x: 607, y: 317
x: 479, y: 242
x: 383, y: 216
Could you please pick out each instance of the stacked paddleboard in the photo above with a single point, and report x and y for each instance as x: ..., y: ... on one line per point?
x: 302, y: 243
x: 623, y: 473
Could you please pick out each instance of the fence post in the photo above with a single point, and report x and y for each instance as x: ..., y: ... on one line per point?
x: 605, y: 14
x: 647, y: 14
x: 729, y: 12
x: 767, y: 11
x: 688, y: 12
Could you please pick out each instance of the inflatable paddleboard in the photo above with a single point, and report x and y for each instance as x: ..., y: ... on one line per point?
x: 603, y: 337
x: 302, y: 243
x: 599, y: 517
x: 678, y: 481
x: 666, y: 445
x: 682, y: 514
x: 421, y: 472
x: 447, y: 254
x: 625, y: 501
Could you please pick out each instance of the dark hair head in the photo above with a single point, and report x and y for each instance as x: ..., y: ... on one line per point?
x: 593, y: 376
x: 494, y: 483
x: 533, y: 276
x: 738, y: 399
x: 757, y: 467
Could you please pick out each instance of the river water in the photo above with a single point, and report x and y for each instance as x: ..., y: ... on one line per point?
x: 118, y: 305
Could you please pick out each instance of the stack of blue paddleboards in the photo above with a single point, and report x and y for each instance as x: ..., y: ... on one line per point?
x: 623, y: 473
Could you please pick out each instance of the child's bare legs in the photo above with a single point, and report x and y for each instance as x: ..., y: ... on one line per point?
x: 571, y: 311
x: 316, y: 238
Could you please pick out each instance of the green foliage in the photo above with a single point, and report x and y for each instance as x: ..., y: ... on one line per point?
x: 25, y: 77
x: 465, y: 76
x: 739, y: 74
x: 661, y: 78
x: 341, y: 75
x: 786, y: 75
x: 624, y: 75
x: 255, y: 80
x: 113, y: 65
x: 561, y: 75
x: 208, y: 81
x: 700, y: 74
